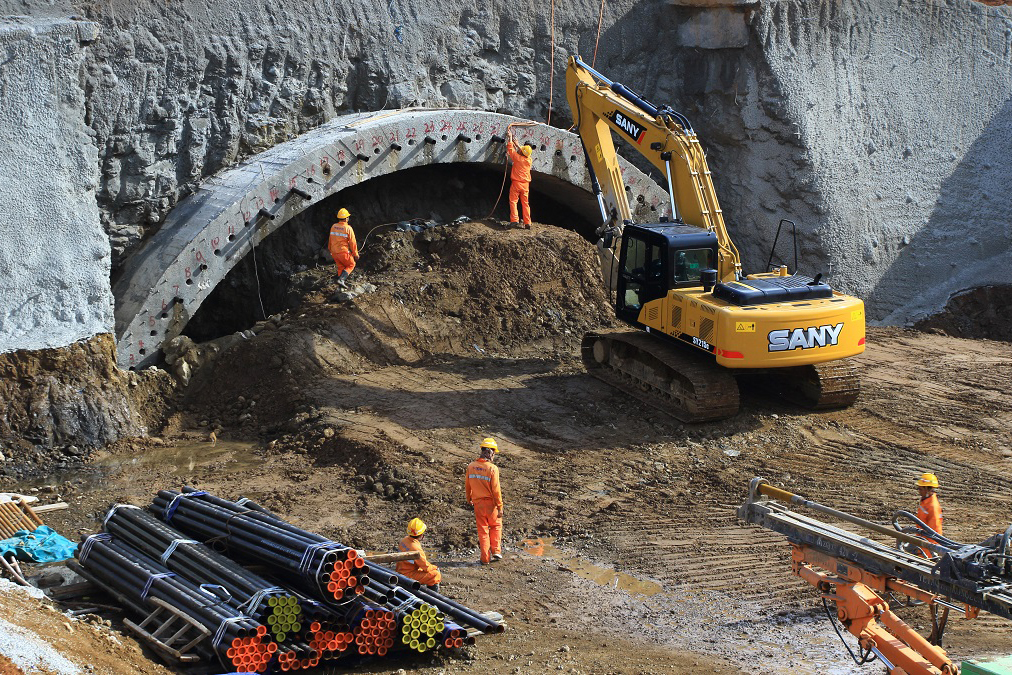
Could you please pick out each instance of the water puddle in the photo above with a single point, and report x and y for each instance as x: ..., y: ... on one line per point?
x: 600, y: 575
x: 225, y: 456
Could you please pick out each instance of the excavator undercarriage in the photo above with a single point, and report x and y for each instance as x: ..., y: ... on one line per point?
x: 691, y: 387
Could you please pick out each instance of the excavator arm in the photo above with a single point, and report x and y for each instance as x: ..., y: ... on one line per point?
x: 664, y: 137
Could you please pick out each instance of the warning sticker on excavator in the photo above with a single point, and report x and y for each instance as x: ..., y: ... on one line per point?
x: 856, y: 314
x: 744, y: 327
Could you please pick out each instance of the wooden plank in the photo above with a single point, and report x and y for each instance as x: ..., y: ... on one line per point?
x: 58, y: 506
x: 394, y: 557
x: 30, y: 512
x: 71, y: 590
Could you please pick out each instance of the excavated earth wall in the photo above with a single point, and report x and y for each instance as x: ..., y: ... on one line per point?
x: 878, y: 126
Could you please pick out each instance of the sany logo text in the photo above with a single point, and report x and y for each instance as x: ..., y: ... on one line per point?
x: 804, y: 338
x: 635, y: 131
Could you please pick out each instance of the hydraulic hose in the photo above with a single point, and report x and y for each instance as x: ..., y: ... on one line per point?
x: 927, y: 530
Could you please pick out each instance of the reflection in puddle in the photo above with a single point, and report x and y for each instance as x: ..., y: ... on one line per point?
x: 603, y: 576
x: 226, y: 456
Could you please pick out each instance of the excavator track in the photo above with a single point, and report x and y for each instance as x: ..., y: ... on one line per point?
x: 690, y: 387
x: 821, y: 386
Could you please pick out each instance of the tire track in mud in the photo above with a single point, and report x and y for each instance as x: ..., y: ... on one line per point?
x: 923, y: 403
x: 866, y: 466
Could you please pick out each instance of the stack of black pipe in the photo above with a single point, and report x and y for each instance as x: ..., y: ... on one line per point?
x: 254, y: 536
x: 384, y: 586
x: 266, y: 602
x: 137, y: 578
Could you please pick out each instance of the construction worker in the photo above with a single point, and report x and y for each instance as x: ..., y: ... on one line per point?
x: 343, y: 247
x: 481, y: 486
x: 420, y: 570
x: 520, y: 179
x: 929, y: 511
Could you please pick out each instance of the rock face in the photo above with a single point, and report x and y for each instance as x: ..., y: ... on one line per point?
x: 879, y: 128
x: 54, y: 256
x: 59, y: 403
x: 834, y: 114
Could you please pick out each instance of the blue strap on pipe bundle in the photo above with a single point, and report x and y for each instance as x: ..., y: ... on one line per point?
x: 172, y: 548
x: 174, y: 504
x: 151, y: 580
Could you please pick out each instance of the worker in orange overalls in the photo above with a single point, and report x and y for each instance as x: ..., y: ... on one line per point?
x: 343, y: 247
x: 929, y: 511
x: 520, y: 179
x: 420, y: 570
x: 481, y: 486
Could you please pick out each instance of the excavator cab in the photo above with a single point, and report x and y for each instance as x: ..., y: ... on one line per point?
x: 655, y: 258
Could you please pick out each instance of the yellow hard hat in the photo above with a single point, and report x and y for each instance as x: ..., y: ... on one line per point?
x: 343, y: 213
x: 490, y: 443
x: 416, y: 527
x: 527, y: 150
x: 927, y: 480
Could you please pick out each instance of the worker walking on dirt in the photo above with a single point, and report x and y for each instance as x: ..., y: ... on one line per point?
x: 520, y: 179
x: 343, y: 247
x: 929, y: 511
x: 421, y: 570
x: 481, y: 486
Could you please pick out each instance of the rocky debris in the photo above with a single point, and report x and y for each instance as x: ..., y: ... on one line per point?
x: 976, y: 313
x: 61, y: 403
x: 352, y: 292
x: 471, y: 290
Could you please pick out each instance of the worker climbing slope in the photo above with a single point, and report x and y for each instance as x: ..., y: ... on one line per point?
x: 421, y: 570
x: 343, y: 247
x: 520, y: 179
x: 481, y: 485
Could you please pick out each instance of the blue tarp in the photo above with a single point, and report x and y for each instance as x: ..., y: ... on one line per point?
x: 41, y: 546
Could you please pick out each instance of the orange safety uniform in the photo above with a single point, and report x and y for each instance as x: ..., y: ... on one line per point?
x: 343, y: 247
x: 929, y: 511
x: 481, y: 485
x: 420, y: 570
x: 520, y: 185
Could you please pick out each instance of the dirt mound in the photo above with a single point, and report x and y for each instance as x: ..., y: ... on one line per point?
x: 976, y: 313
x: 56, y: 405
x: 467, y: 290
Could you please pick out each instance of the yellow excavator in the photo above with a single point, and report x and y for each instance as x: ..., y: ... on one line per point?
x: 700, y: 319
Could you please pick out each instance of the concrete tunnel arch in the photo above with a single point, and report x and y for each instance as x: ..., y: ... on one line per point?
x: 210, y: 231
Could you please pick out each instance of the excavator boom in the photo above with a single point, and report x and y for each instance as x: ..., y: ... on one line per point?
x: 662, y: 136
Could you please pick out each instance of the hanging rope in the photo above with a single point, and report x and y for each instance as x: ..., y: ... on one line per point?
x: 600, y: 19
x: 551, y: 74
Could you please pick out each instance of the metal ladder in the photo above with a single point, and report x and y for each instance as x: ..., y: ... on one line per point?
x: 174, y: 634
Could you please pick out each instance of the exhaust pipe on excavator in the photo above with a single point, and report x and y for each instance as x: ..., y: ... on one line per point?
x: 709, y: 279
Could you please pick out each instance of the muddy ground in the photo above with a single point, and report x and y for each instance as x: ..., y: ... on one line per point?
x: 351, y: 416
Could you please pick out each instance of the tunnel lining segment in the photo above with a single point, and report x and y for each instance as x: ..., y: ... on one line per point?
x: 209, y: 232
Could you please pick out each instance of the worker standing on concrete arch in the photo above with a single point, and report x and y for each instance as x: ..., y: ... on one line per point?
x: 929, y: 511
x: 421, y: 570
x: 343, y: 247
x: 481, y: 486
x: 520, y: 179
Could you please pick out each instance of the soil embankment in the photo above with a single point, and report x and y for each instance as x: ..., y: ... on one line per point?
x: 351, y: 417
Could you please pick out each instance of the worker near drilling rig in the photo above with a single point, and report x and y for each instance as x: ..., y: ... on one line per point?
x: 520, y: 179
x: 929, y: 511
x: 481, y: 487
x: 343, y: 247
x: 421, y: 570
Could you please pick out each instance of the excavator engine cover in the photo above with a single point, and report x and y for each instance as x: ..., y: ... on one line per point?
x: 777, y: 289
